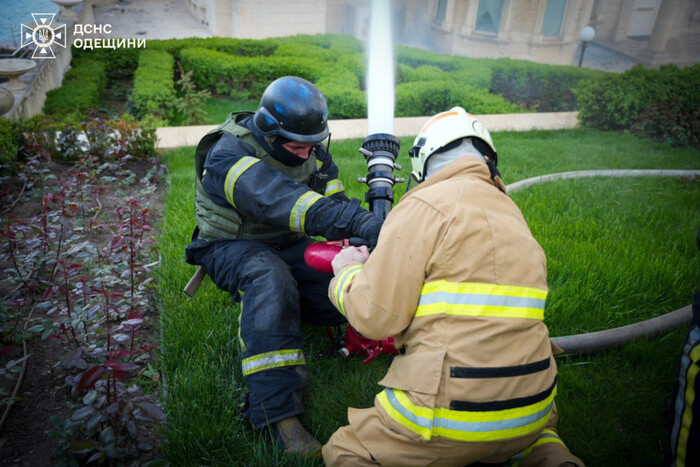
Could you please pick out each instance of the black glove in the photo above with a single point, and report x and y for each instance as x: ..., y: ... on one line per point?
x: 337, y: 220
x: 366, y: 225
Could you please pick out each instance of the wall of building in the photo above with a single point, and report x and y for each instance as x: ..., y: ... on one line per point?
x: 673, y: 38
x: 519, y: 34
x: 256, y: 19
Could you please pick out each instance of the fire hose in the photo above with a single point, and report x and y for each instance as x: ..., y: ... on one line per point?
x: 380, y: 151
x: 580, y: 343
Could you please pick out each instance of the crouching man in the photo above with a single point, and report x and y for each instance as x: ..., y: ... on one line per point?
x: 460, y: 282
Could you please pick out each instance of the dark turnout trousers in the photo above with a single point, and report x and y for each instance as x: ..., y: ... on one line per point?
x: 277, y: 291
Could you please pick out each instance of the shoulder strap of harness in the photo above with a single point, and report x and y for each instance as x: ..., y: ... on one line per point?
x: 231, y: 126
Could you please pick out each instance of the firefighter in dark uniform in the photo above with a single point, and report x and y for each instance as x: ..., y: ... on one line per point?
x: 685, y: 405
x: 265, y: 184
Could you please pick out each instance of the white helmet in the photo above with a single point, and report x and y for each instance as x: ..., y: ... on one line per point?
x: 443, y: 129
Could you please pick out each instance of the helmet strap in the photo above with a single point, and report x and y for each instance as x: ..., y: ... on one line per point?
x: 495, y: 174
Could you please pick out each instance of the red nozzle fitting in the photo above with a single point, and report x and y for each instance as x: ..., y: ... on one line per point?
x: 318, y: 256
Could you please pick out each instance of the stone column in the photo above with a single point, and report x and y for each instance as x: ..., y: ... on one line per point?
x: 663, y: 25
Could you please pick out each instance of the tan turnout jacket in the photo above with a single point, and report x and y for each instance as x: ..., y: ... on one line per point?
x: 460, y: 282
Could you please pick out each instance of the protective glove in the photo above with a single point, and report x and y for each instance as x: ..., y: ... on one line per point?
x: 337, y: 220
x: 366, y: 225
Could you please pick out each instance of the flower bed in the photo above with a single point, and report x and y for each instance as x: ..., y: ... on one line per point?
x: 78, y: 252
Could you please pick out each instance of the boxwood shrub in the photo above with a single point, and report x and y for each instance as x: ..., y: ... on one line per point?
x: 663, y: 103
x: 430, y: 97
x: 229, y: 45
x: 81, y: 89
x: 414, y: 58
x: 122, y: 61
x: 154, y: 88
x: 11, y: 140
x: 245, y: 77
x: 535, y: 86
x: 305, y: 50
x: 357, y: 63
x: 343, y: 95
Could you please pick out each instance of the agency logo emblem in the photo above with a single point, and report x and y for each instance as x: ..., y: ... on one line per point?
x: 43, y: 35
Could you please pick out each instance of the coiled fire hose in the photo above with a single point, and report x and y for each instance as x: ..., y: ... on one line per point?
x: 601, y: 340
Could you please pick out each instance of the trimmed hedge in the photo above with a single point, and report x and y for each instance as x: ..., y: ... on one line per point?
x: 310, y: 51
x: 421, y: 65
x: 356, y: 63
x: 663, y: 103
x: 122, y: 62
x: 82, y: 86
x: 229, y: 45
x: 345, y: 45
x: 154, y: 88
x: 11, y: 140
x: 430, y: 97
x: 417, y: 57
x: 343, y: 94
x: 337, y: 44
x: 535, y: 86
x: 245, y: 77
x: 242, y: 68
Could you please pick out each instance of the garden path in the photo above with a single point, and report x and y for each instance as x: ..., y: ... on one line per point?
x: 172, y: 137
x: 148, y: 19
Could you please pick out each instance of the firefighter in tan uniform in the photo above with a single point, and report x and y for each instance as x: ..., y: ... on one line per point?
x: 459, y: 281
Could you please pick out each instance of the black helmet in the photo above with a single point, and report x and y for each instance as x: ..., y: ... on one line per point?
x: 294, y: 108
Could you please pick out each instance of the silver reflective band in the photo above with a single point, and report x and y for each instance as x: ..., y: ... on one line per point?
x: 481, y: 299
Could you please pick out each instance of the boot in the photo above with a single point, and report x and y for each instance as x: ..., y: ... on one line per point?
x: 294, y: 439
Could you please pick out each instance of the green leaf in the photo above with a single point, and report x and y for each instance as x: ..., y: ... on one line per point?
x: 82, y: 413
x: 80, y: 446
x: 152, y: 411
x: 56, y: 422
x: 107, y: 435
x: 98, y: 456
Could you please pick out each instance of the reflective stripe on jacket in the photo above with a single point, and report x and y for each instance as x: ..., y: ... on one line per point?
x: 459, y: 281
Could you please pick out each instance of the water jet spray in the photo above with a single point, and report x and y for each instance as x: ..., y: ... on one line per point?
x: 380, y: 149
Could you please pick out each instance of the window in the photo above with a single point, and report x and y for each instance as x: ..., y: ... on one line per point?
x: 349, y: 27
x: 553, y: 15
x: 488, y: 16
x: 441, y: 14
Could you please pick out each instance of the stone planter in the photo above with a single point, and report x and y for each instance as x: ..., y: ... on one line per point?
x: 13, y: 68
x: 67, y: 8
x: 7, y: 101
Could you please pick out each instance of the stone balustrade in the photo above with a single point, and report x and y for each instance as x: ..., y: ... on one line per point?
x: 48, y: 74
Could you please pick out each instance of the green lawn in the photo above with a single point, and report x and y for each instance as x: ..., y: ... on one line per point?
x: 619, y: 250
x: 218, y: 108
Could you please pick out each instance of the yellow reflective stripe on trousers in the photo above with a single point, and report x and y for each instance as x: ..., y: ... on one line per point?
x: 274, y: 359
x: 473, y: 299
x: 687, y: 418
x: 343, y: 279
x: 465, y: 425
x: 234, y: 172
x: 334, y: 186
x: 547, y: 436
x: 297, y: 216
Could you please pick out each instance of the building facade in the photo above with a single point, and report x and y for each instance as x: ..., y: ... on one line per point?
x: 548, y: 31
